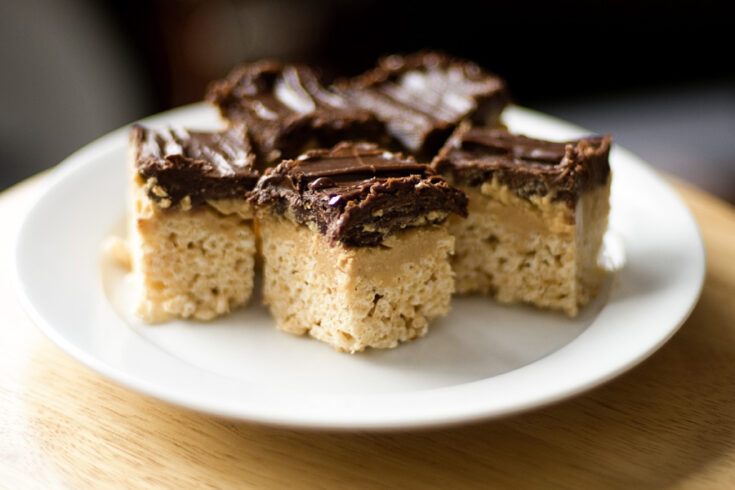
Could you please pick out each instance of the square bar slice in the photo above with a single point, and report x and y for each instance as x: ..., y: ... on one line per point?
x: 355, y: 245
x: 537, y: 213
x: 422, y: 97
x: 288, y: 111
x: 190, y: 233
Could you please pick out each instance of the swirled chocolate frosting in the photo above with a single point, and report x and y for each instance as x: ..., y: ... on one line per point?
x: 358, y: 194
x: 175, y: 163
x: 422, y: 97
x: 529, y: 166
x: 287, y: 110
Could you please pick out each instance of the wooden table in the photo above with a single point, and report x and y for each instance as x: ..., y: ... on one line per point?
x: 670, y: 422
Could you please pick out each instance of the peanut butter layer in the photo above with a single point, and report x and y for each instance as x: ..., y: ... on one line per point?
x: 358, y: 194
x: 355, y: 297
x: 287, y: 110
x: 190, y: 167
x: 528, y: 166
x: 422, y: 97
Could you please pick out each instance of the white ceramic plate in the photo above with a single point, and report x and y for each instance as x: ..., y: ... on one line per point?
x: 482, y: 361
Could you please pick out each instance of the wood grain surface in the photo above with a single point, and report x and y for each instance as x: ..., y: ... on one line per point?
x: 669, y: 423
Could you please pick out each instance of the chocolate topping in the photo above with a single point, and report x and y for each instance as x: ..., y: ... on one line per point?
x: 528, y: 166
x: 357, y: 193
x: 422, y: 97
x: 286, y: 109
x: 201, y: 165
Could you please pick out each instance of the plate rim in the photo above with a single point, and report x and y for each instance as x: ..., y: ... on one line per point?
x: 84, y: 155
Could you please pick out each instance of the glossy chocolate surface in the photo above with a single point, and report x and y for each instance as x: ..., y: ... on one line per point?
x: 201, y: 165
x: 529, y: 166
x: 358, y: 194
x: 422, y: 97
x: 287, y: 110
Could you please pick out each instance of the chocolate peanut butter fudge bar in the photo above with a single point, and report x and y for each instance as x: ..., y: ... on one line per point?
x: 287, y: 110
x: 191, y: 236
x: 537, y: 214
x: 422, y: 97
x: 355, y: 245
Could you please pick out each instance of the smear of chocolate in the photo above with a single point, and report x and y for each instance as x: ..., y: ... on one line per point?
x: 422, y: 97
x: 288, y: 111
x: 358, y: 194
x: 529, y: 166
x: 201, y: 165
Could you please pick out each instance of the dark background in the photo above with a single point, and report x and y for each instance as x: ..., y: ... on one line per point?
x: 658, y: 75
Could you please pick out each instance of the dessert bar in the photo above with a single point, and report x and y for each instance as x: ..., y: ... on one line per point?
x: 422, y: 97
x: 537, y: 214
x: 287, y: 110
x: 363, y: 246
x: 355, y: 245
x: 191, y: 236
